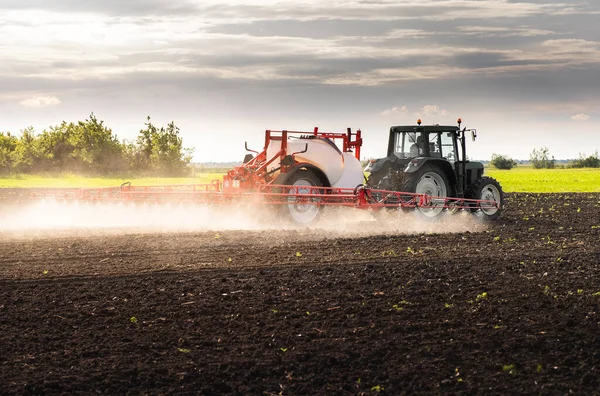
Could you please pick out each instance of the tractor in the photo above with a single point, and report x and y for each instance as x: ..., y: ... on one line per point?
x: 432, y: 160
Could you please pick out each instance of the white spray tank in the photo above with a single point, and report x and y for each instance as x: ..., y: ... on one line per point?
x: 342, y: 169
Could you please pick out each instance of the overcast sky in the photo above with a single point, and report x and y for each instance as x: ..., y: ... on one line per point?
x: 525, y: 73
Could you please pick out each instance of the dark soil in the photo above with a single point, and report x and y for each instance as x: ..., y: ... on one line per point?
x: 514, y: 309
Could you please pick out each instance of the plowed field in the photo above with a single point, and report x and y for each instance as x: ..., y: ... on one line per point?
x: 512, y: 307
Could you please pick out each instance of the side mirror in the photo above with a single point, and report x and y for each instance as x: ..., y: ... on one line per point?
x: 473, y: 134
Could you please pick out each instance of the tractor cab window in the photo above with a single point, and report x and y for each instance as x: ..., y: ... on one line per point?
x: 441, y: 145
x: 409, y: 145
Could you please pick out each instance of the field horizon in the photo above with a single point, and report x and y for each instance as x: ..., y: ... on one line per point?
x: 518, y: 179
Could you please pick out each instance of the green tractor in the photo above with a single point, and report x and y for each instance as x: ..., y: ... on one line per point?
x: 432, y: 160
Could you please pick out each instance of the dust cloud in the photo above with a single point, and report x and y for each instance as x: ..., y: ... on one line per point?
x: 49, y: 218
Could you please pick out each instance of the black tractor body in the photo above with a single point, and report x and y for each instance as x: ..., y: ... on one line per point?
x: 432, y: 160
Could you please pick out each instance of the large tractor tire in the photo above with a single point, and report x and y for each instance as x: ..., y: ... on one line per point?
x: 303, y: 212
x: 429, y: 180
x: 487, y: 189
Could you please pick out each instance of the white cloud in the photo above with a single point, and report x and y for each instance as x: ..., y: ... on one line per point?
x: 488, y: 31
x: 580, y: 117
x: 434, y: 111
x: 394, y: 110
x: 40, y: 101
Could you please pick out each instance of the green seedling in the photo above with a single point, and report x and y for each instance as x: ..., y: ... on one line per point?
x: 546, y: 289
x: 482, y: 296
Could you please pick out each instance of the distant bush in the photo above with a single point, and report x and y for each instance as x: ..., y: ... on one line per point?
x: 540, y: 159
x: 89, y: 147
x: 502, y: 162
x: 586, y: 162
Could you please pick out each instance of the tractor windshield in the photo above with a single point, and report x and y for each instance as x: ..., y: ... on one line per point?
x: 409, y: 145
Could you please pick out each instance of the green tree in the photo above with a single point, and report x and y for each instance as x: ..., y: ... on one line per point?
x: 503, y: 162
x: 57, y: 149
x: 586, y: 162
x: 161, y: 151
x: 27, y: 152
x: 96, y: 148
x: 86, y: 146
x: 8, y: 143
x: 540, y: 159
x: 90, y: 147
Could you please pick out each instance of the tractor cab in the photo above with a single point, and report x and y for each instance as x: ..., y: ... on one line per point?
x: 427, y: 141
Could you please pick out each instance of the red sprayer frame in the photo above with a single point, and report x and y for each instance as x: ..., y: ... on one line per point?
x: 252, y: 183
x: 253, y: 174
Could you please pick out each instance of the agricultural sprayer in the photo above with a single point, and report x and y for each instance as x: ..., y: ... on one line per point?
x: 298, y: 174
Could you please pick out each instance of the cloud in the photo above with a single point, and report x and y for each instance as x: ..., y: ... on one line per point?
x: 431, y: 113
x: 40, y: 101
x: 434, y: 111
x: 394, y: 111
x: 106, y: 7
x: 500, y: 31
x: 580, y: 117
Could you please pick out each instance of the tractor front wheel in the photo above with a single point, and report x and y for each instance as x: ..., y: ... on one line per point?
x: 487, y: 189
x: 303, y: 210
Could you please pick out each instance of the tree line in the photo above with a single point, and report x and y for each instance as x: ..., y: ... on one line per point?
x: 542, y: 159
x: 91, y: 148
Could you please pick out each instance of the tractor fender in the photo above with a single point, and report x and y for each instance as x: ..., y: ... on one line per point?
x: 380, y: 164
x: 417, y: 163
x: 282, y: 178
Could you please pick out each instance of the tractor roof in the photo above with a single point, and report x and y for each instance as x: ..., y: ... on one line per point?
x: 424, y: 128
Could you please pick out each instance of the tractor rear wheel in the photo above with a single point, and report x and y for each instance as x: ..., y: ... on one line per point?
x: 303, y: 210
x: 487, y: 189
x: 432, y: 181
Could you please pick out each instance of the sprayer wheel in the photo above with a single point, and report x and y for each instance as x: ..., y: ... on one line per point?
x: 303, y: 210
